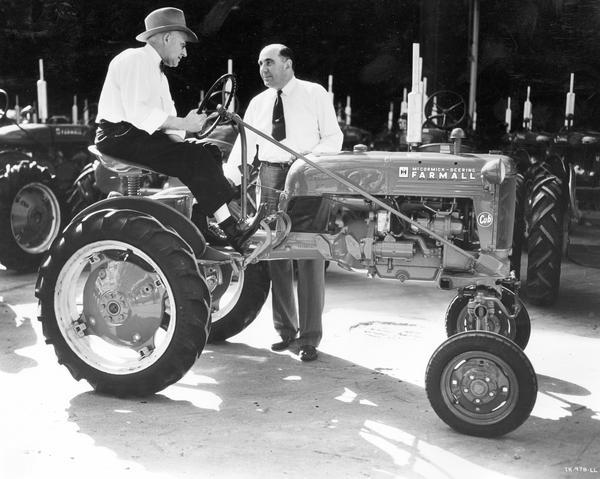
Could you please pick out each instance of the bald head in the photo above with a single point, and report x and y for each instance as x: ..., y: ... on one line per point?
x: 276, y: 65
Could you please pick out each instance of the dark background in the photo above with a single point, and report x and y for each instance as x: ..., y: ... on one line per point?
x: 365, y: 44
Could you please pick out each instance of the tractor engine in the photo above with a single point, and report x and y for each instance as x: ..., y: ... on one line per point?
x: 372, y: 237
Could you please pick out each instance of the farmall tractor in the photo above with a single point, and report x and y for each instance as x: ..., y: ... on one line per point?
x: 559, y: 177
x: 38, y: 163
x: 130, y: 292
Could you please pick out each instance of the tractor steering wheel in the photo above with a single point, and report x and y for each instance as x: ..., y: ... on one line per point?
x: 220, y: 93
x: 445, y: 109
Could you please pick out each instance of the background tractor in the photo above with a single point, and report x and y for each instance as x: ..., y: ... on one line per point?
x: 557, y: 195
x: 38, y: 163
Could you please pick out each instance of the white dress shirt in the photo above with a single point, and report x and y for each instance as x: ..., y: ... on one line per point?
x: 136, y: 91
x: 310, y: 125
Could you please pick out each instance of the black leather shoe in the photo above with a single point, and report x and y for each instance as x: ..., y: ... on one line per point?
x: 239, y: 233
x: 281, y: 345
x: 308, y: 353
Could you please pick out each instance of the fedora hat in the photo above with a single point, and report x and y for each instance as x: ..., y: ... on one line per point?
x: 166, y: 20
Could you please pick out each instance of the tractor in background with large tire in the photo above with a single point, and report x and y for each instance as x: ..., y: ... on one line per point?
x: 558, y: 185
x: 38, y: 163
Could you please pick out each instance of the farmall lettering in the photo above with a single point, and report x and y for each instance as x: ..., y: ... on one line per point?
x: 437, y: 173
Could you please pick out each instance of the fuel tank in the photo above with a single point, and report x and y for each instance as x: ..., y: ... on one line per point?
x: 398, y: 173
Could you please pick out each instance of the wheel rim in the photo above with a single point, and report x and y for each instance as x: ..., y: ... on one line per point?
x: 115, y: 307
x: 496, y: 323
x: 225, y: 283
x: 35, y: 218
x: 479, y: 387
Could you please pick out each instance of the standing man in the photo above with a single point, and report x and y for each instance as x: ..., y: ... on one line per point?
x: 137, y: 121
x: 299, y: 114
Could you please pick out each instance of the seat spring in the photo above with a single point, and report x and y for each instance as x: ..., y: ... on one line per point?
x: 133, y: 185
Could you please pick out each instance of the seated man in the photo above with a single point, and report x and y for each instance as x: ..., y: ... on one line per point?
x: 137, y: 122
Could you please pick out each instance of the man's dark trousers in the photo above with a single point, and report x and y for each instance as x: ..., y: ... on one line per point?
x: 197, y: 165
x: 287, y: 320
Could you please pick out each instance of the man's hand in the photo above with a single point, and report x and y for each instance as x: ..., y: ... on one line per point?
x: 194, y: 122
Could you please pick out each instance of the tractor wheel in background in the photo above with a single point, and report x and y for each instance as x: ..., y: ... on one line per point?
x: 84, y: 191
x: 517, y: 330
x: 545, y: 239
x: 123, y: 303
x: 481, y: 384
x: 519, y: 226
x: 238, y: 296
x: 30, y: 215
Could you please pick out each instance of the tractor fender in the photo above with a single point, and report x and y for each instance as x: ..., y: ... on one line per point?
x: 167, y: 215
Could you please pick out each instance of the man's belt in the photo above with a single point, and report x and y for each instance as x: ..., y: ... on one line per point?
x: 283, y: 164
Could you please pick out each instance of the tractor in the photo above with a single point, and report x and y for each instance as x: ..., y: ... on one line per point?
x: 557, y: 191
x: 130, y: 291
x: 38, y: 163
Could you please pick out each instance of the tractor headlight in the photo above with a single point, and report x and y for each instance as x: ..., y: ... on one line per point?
x: 494, y: 171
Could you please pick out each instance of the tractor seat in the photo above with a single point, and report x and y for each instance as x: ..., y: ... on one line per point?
x: 120, y: 166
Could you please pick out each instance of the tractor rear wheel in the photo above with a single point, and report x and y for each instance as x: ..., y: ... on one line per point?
x: 545, y: 239
x: 84, y: 191
x: 123, y: 303
x: 519, y: 225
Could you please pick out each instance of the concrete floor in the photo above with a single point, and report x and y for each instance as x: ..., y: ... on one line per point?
x: 360, y: 410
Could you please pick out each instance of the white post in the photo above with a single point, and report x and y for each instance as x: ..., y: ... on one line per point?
x: 330, y: 87
x: 42, y: 95
x: 527, y: 111
x: 348, y: 111
x: 86, y: 112
x: 390, y: 124
x: 415, y: 101
x: 17, y: 110
x: 508, y: 116
x: 474, y: 59
x: 74, y: 110
x: 570, y: 106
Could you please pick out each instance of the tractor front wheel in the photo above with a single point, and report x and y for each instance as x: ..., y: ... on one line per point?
x: 481, y: 384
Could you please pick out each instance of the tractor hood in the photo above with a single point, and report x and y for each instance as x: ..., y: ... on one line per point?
x: 400, y: 173
x: 43, y: 134
x: 25, y: 133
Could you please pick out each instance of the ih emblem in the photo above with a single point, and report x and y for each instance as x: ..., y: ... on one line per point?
x: 485, y: 219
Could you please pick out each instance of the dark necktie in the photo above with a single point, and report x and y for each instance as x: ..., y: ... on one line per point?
x: 278, y: 119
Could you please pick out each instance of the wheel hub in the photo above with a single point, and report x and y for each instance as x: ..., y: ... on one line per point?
x: 114, y: 307
x: 123, y: 303
x: 479, y: 385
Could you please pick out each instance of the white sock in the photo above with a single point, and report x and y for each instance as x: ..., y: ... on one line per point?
x: 222, y: 214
